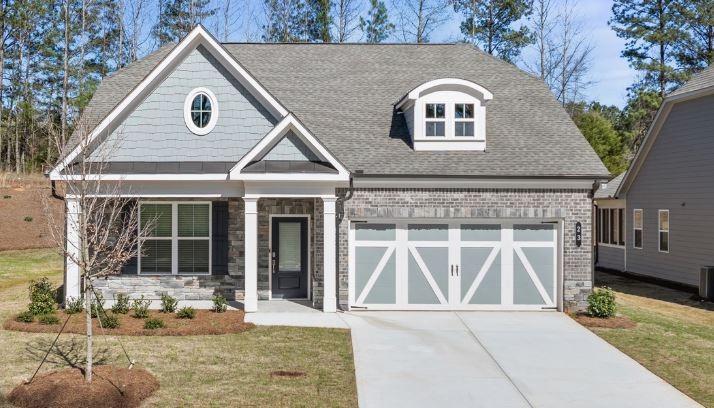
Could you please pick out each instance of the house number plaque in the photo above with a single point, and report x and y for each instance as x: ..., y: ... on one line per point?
x: 578, y: 234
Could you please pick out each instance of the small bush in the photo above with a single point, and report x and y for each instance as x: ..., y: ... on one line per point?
x: 98, y: 306
x: 25, y: 317
x: 74, y: 305
x: 28, y: 219
x: 141, y: 307
x: 48, y: 319
x: 42, y: 297
x: 601, y: 303
x: 6, y: 196
x: 154, y: 323
x: 121, y: 304
x: 186, y: 313
x: 220, y: 304
x: 109, y: 321
x: 168, y: 303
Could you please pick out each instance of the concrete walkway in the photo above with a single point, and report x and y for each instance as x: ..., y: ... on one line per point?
x: 495, y: 359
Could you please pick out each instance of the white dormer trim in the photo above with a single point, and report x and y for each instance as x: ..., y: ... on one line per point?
x: 290, y: 122
x: 448, y: 92
x: 198, y: 36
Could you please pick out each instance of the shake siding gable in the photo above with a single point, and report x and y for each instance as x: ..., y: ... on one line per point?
x: 156, y: 132
x: 677, y: 175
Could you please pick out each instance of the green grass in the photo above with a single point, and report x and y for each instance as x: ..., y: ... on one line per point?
x: 678, y: 347
x: 194, y: 370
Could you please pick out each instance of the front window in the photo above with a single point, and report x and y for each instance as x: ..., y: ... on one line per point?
x: 464, y: 120
x: 435, y: 119
x: 178, y: 240
x: 637, y: 223
x: 663, y: 230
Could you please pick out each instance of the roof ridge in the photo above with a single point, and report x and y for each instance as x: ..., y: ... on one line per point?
x: 338, y: 44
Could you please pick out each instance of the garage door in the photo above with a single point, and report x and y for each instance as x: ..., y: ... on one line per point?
x: 453, y: 266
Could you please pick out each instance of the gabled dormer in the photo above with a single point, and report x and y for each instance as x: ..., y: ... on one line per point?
x: 446, y: 114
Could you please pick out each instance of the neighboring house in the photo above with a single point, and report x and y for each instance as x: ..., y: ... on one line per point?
x: 666, y: 195
x: 358, y: 176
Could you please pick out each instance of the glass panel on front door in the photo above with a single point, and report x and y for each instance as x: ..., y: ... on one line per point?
x: 289, y: 246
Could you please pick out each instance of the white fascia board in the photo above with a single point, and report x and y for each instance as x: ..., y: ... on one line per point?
x: 168, y: 189
x: 291, y: 189
x: 453, y: 182
x: 197, y: 36
x: 290, y: 122
x: 415, y: 93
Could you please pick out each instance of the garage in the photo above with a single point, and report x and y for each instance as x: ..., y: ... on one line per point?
x: 456, y: 265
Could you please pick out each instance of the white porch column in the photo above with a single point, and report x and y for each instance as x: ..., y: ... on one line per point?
x: 250, y: 302
x: 329, y: 302
x: 72, y: 247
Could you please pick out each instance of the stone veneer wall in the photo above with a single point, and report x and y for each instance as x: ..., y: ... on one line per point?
x: 570, y: 205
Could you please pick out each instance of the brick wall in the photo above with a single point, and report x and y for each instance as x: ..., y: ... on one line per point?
x: 570, y: 205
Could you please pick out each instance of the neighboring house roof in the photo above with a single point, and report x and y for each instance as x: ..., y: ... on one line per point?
x: 702, y: 84
x: 611, y: 188
x: 345, y: 96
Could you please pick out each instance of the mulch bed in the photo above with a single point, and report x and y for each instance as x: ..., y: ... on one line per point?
x: 616, y: 322
x: 111, y: 387
x: 205, y: 322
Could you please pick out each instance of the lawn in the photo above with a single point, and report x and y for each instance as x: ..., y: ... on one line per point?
x: 674, y: 337
x: 217, y: 370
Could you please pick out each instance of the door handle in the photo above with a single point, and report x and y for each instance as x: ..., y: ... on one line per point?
x: 272, y: 262
x: 457, y: 270
x: 452, y: 270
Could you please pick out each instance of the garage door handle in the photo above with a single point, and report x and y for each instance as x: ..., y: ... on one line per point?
x: 452, y: 270
x: 457, y: 270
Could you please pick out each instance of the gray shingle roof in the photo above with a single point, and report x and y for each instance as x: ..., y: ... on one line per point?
x: 612, y: 186
x: 345, y: 94
x: 701, y: 80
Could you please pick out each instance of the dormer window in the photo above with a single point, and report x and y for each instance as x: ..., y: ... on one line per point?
x: 446, y: 114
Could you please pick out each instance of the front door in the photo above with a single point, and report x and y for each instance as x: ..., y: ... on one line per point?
x: 289, y: 257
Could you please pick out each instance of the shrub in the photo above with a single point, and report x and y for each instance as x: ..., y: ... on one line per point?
x: 121, y: 304
x: 109, y: 321
x: 98, y: 306
x: 601, y: 303
x: 220, y: 304
x: 6, y: 196
x: 42, y: 297
x: 74, y: 305
x: 25, y: 317
x: 48, y: 319
x: 28, y: 219
x: 168, y: 303
x: 141, y: 307
x: 154, y: 323
x: 186, y: 313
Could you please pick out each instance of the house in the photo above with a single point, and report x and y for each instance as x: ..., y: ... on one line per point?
x: 656, y: 218
x: 357, y: 176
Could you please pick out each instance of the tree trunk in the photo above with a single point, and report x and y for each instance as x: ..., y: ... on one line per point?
x: 88, y: 313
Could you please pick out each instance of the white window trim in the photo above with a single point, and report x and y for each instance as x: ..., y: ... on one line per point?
x: 660, y: 231
x: 465, y: 120
x: 634, y: 228
x: 444, y: 120
x: 187, y: 111
x: 450, y: 121
x: 175, y: 238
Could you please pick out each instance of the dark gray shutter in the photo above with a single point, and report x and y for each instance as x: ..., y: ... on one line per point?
x: 219, y: 236
x: 131, y: 267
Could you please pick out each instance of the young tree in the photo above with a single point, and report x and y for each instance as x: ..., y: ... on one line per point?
x: 488, y: 25
x: 417, y: 19
x: 652, y: 31
x: 376, y: 27
x: 346, y: 22
x: 102, y: 225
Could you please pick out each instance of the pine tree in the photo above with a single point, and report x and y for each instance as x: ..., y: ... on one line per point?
x: 285, y: 21
x: 652, y: 31
x: 696, y: 49
x: 376, y: 27
x: 488, y: 25
x: 178, y: 17
x: 318, y: 21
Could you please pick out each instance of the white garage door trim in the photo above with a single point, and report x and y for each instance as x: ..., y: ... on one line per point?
x: 457, y: 291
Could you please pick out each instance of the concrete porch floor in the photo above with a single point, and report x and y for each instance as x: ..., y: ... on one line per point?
x: 299, y: 313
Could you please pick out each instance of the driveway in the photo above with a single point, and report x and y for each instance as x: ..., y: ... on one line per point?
x: 495, y: 359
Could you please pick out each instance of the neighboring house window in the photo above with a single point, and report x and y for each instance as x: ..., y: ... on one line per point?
x: 621, y: 226
x: 637, y: 223
x: 435, y: 120
x: 663, y: 223
x: 179, y: 240
x: 200, y: 111
x: 464, y: 120
x: 610, y: 225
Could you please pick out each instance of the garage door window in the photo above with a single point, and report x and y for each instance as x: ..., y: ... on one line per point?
x: 428, y: 267
x: 480, y: 264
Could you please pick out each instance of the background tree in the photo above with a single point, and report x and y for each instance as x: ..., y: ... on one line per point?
x: 604, y: 138
x: 488, y: 24
x: 652, y: 31
x: 178, y: 17
x: 417, y: 19
x: 695, y: 51
x: 318, y: 21
x: 376, y: 26
x: 346, y: 19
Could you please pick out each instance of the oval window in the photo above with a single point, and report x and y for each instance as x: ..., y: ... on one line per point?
x: 201, y: 111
